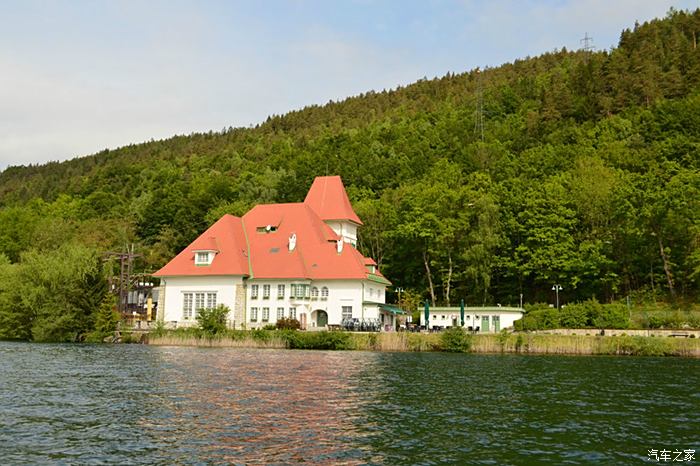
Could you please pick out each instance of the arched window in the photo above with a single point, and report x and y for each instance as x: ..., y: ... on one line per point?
x: 324, y: 292
x: 314, y: 292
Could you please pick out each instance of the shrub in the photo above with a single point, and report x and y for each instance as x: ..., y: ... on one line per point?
x: 319, y: 340
x: 612, y: 316
x: 213, y: 321
x: 288, y: 323
x: 538, y: 319
x: 455, y: 340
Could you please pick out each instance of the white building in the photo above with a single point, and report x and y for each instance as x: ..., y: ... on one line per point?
x: 478, y: 319
x: 279, y: 260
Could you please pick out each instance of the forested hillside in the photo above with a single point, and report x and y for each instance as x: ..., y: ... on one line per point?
x: 576, y: 168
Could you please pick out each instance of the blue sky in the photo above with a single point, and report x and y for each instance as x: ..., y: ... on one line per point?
x: 80, y: 76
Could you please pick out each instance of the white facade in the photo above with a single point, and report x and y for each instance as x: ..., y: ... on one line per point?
x: 346, y: 230
x: 314, y: 303
x: 176, y: 292
x: 481, y: 319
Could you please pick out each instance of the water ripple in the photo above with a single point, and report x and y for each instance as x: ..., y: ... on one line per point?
x: 72, y: 404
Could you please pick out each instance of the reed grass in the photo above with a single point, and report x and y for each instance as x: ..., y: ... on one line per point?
x: 522, y: 343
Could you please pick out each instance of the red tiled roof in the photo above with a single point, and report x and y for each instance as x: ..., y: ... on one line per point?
x: 249, y: 248
x: 327, y: 197
x: 225, y: 236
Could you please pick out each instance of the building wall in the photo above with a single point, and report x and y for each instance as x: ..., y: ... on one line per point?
x: 341, y: 293
x: 473, y: 318
x: 175, y: 287
x: 347, y: 230
x: 362, y: 296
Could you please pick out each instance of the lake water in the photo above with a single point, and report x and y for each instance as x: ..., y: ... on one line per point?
x: 131, y: 404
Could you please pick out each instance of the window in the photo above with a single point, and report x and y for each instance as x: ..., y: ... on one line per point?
x: 266, y: 314
x: 314, y: 292
x: 211, y: 300
x: 198, y: 301
x: 254, y: 292
x: 300, y: 291
x: 347, y: 312
x: 280, y: 291
x: 187, y: 306
x: 253, y: 314
x: 371, y: 292
x: 280, y: 313
x: 266, y: 291
x: 203, y: 257
x: 434, y: 317
x: 324, y: 292
x: 292, y: 312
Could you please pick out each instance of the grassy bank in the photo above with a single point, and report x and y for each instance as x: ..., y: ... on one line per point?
x: 446, y: 341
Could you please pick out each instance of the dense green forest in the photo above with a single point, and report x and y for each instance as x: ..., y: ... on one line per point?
x: 576, y: 168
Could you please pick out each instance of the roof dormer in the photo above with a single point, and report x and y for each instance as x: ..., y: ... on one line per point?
x: 204, y: 257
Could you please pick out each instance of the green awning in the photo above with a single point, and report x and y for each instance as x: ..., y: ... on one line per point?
x: 393, y: 309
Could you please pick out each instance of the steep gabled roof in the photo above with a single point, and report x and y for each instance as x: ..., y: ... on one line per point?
x: 257, y: 245
x: 227, y: 238
x: 315, y: 255
x: 327, y: 197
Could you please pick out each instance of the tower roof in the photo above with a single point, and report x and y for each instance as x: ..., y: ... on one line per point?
x: 328, y: 199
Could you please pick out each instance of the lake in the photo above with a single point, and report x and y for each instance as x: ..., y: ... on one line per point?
x: 135, y: 404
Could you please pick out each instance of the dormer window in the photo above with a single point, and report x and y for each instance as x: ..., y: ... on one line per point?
x: 204, y: 257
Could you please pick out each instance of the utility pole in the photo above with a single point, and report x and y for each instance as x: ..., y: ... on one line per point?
x: 124, y: 280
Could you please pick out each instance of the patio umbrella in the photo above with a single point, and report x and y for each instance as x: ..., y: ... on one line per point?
x: 461, y: 312
x: 427, y: 313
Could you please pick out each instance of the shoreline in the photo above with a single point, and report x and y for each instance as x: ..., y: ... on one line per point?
x: 509, y: 343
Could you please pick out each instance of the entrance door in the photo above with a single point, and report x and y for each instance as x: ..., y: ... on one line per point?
x: 484, y: 323
x: 496, y: 324
x: 321, y: 318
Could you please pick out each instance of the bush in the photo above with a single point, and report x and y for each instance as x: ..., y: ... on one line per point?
x: 319, y: 340
x: 612, y: 316
x: 212, y: 322
x: 288, y: 324
x: 538, y: 319
x: 455, y: 340
x: 578, y: 315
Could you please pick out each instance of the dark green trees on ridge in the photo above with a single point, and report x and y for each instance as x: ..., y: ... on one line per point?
x: 588, y: 175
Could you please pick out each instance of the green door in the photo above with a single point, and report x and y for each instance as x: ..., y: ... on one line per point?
x: 496, y: 324
x: 321, y: 318
x: 484, y: 323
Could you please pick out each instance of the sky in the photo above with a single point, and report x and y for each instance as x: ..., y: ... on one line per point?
x: 80, y: 76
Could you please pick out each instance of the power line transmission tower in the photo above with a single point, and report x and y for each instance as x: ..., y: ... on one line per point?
x: 587, y: 45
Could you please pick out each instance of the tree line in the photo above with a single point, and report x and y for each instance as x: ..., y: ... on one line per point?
x: 575, y: 168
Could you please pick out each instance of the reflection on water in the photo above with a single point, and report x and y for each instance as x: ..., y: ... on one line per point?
x: 70, y: 404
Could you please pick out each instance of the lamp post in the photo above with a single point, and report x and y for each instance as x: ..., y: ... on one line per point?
x: 557, y: 289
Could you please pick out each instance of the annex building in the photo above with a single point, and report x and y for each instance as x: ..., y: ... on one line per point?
x: 295, y: 260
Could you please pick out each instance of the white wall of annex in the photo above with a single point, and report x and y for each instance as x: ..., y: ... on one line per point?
x: 224, y: 286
